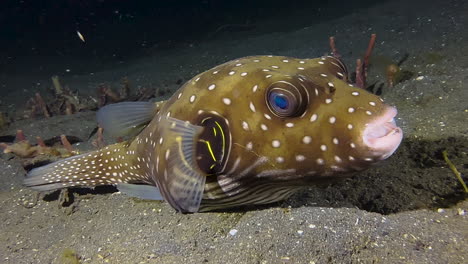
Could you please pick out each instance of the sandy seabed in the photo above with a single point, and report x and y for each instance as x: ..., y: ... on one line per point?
x: 409, y: 209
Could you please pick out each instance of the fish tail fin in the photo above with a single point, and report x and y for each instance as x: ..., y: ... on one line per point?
x: 110, y: 165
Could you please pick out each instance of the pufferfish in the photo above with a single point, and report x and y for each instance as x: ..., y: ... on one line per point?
x: 250, y: 131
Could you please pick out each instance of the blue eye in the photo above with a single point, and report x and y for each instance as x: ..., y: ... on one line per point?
x: 281, y: 101
x: 286, y: 100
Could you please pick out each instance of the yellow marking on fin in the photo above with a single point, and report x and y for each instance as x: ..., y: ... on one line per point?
x: 214, y: 131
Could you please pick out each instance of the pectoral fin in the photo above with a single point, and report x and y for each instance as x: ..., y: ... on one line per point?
x: 181, y: 182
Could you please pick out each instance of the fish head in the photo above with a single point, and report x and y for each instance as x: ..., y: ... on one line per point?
x: 315, y: 122
x: 240, y: 127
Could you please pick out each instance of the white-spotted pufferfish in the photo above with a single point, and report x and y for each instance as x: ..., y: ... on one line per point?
x: 250, y: 131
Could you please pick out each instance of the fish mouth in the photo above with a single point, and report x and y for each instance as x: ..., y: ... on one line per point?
x: 382, y: 135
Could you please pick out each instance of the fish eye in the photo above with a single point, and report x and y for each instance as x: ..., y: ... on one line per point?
x: 286, y: 100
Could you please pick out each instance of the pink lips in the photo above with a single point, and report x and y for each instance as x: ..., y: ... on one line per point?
x: 382, y: 135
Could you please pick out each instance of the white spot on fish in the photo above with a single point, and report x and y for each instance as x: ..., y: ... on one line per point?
x: 252, y: 107
x: 337, y: 159
x: 351, y: 110
x: 232, y: 72
x: 323, y: 147
x: 211, y: 87
x: 332, y: 120
x: 192, y: 98
x: 276, y: 143
x: 243, y: 74
x: 313, y: 118
x: 306, y: 140
x: 226, y: 101
x: 289, y: 124
x: 254, y: 89
x: 300, y: 158
x: 245, y: 126
x: 249, y: 146
x: 264, y: 127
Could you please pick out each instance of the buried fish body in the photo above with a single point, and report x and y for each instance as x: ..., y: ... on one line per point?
x: 250, y: 131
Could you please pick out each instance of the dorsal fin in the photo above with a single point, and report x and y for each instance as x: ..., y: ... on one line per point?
x: 126, y: 118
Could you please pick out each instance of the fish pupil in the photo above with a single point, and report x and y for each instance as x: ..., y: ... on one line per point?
x: 281, y: 101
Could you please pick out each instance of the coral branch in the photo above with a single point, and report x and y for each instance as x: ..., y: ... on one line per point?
x: 362, y: 65
x: 333, y: 48
x: 40, y: 142
x: 360, y: 77
x: 20, y: 135
x: 99, y: 141
x: 66, y: 144
x: 370, y: 47
x: 42, y: 105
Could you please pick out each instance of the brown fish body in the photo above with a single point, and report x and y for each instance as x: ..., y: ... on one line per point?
x: 250, y: 131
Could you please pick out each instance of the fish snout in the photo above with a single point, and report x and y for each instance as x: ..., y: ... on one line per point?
x: 382, y: 136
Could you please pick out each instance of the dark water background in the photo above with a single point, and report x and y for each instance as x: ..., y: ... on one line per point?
x: 117, y: 30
